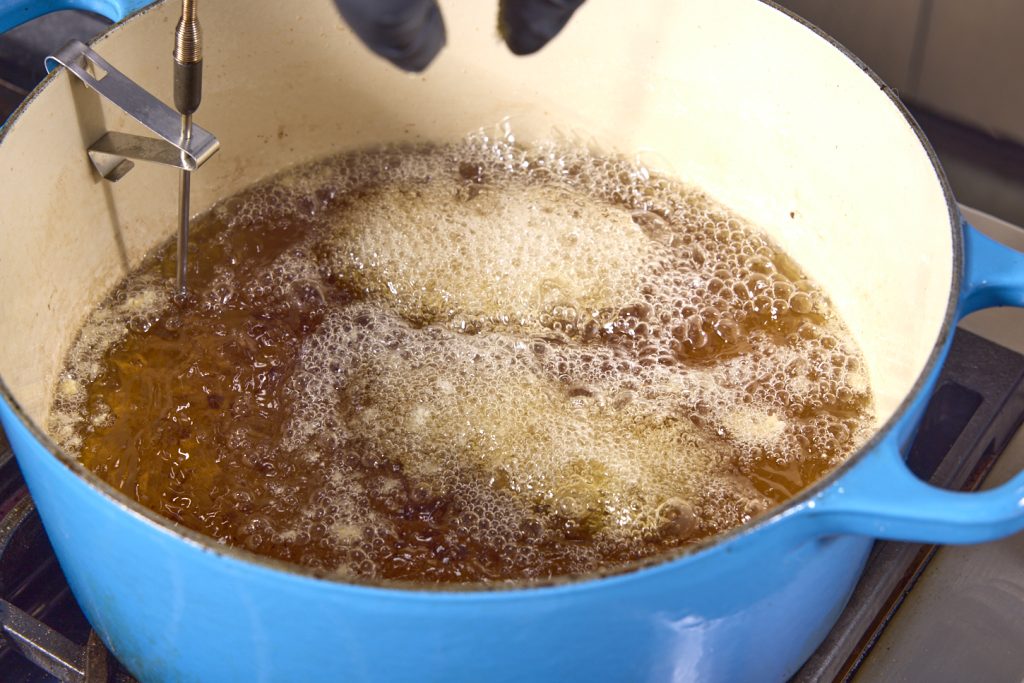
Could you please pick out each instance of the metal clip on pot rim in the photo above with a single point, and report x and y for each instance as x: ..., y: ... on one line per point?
x: 113, y: 153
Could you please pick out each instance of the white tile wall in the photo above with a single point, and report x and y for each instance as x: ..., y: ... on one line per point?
x: 961, y: 58
x: 973, y: 63
x: 881, y: 32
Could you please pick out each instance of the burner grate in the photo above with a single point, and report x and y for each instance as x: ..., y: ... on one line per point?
x: 45, y: 636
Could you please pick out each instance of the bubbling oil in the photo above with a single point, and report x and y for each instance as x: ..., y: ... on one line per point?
x: 474, y: 362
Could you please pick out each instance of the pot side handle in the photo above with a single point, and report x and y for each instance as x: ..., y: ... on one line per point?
x: 16, y: 12
x: 882, y: 498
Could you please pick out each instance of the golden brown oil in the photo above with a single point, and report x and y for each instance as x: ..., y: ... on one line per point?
x: 465, y: 363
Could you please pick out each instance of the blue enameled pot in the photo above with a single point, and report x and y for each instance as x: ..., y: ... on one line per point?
x: 761, y: 109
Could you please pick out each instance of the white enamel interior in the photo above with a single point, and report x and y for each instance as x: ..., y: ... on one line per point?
x: 731, y: 95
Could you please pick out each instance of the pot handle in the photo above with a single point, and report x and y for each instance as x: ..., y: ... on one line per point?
x: 16, y: 12
x: 882, y: 498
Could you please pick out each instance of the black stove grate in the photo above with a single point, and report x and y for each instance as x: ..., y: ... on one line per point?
x: 45, y: 635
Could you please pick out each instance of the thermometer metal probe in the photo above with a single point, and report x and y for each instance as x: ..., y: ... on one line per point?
x: 188, y: 86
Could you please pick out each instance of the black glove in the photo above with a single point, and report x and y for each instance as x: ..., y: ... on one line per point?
x: 410, y: 33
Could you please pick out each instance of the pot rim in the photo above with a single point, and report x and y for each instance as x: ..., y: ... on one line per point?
x: 673, y: 559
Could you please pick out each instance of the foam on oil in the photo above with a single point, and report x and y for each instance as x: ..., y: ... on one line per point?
x: 472, y: 362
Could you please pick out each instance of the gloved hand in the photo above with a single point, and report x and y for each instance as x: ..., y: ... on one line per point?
x: 410, y: 33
